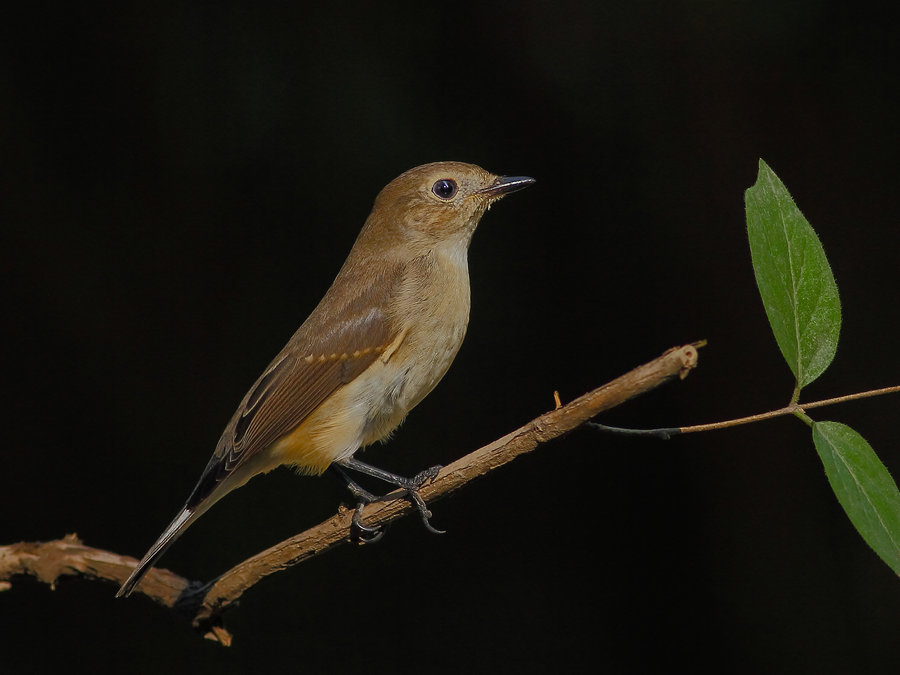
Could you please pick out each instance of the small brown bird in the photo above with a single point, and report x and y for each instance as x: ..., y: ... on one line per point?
x: 378, y: 342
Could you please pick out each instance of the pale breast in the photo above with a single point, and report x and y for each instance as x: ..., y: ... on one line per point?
x: 435, y: 303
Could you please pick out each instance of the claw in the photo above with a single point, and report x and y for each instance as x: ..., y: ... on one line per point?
x: 361, y: 533
x: 424, y: 513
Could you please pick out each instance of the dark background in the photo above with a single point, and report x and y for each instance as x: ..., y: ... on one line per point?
x: 180, y: 183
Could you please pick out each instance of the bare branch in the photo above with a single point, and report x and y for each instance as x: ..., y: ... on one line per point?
x: 205, y: 603
x: 48, y: 561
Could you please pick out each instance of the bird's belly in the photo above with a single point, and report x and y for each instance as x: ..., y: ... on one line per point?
x: 402, y: 384
x: 366, y: 409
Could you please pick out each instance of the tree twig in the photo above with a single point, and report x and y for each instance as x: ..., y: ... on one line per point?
x: 788, y: 410
x: 665, y: 433
x: 205, y: 603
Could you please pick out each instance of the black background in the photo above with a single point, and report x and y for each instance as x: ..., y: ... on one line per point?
x: 179, y: 185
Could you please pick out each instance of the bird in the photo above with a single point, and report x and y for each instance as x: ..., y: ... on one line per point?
x: 378, y: 342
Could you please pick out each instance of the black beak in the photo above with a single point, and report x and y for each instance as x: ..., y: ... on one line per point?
x: 506, y: 184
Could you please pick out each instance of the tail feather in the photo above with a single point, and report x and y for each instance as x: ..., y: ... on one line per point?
x: 212, y: 486
x: 166, y: 539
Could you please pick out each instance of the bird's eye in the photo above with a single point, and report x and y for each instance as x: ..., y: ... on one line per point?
x: 445, y: 188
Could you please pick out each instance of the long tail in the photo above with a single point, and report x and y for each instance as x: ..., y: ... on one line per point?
x: 175, y: 529
x: 220, y: 477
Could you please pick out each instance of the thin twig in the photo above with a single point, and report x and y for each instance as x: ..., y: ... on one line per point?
x: 205, y: 603
x: 788, y: 410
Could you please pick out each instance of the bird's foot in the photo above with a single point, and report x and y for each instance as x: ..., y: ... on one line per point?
x: 409, y: 488
x: 424, y: 513
x: 424, y: 476
x: 360, y: 533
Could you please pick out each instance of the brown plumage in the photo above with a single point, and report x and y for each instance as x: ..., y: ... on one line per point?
x: 378, y: 342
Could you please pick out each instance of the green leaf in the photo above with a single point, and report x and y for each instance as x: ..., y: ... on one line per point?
x: 863, y: 487
x: 794, y: 278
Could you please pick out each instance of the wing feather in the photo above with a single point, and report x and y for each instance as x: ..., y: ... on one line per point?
x: 334, y: 346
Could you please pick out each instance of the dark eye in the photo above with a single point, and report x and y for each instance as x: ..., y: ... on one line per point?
x: 445, y: 188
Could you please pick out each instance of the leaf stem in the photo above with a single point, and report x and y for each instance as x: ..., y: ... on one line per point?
x: 803, y: 417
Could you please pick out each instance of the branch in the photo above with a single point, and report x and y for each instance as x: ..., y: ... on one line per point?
x: 789, y: 409
x: 205, y: 603
x: 795, y: 408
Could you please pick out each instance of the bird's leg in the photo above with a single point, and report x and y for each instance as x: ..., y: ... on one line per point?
x: 359, y: 532
x: 409, y: 485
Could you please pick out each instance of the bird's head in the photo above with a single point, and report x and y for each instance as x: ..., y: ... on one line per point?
x: 439, y: 202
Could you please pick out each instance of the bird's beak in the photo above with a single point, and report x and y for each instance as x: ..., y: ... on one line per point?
x: 506, y: 184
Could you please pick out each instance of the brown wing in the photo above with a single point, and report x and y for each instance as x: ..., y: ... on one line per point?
x: 338, y: 342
